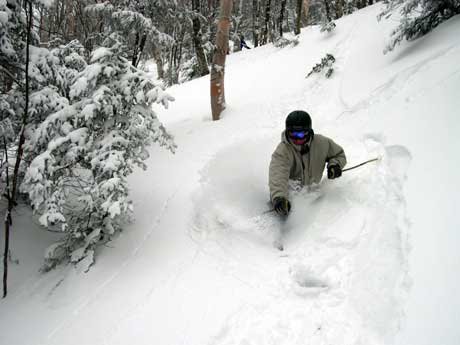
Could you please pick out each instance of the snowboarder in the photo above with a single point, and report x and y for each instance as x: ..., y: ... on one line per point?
x: 302, y: 156
x: 243, y: 43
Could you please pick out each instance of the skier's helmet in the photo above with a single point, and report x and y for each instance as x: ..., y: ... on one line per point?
x: 298, y: 120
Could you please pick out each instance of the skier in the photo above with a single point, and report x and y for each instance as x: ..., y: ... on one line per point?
x: 243, y: 43
x: 302, y: 156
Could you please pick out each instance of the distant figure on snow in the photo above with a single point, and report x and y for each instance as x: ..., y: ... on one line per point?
x: 302, y: 155
x: 243, y: 43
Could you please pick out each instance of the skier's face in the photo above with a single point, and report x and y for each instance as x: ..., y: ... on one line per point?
x: 299, y: 137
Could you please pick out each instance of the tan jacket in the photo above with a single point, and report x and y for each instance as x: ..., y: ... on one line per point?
x: 288, y: 163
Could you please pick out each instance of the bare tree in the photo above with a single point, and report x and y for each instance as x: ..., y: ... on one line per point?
x: 305, y: 12
x: 339, y: 4
x: 281, y: 17
x: 327, y: 7
x: 255, y: 22
x: 200, y: 56
x: 218, y: 61
x: 12, y: 188
x: 266, y: 33
x: 298, y: 17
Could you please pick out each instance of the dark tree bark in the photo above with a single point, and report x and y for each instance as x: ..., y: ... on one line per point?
x: 339, y: 8
x: 255, y: 22
x: 327, y: 6
x: 298, y: 20
x: 200, y: 56
x: 218, y: 61
x: 266, y: 34
x: 281, y: 18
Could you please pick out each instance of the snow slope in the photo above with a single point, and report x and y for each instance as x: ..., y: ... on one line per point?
x: 370, y: 258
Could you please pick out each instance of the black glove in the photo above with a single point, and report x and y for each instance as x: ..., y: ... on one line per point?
x: 282, y: 206
x: 334, y: 171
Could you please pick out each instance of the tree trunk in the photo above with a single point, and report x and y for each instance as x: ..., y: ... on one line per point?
x: 7, y: 221
x: 255, y: 22
x: 158, y: 61
x: 339, y: 8
x: 328, y: 10
x: 266, y: 33
x: 305, y: 12
x: 218, y: 61
x: 298, y: 17
x: 200, y: 57
x: 20, y: 149
x: 280, y: 22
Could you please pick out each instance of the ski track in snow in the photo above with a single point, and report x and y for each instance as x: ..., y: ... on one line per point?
x: 342, y: 278
x: 103, y: 286
x: 394, y: 86
x: 315, y: 290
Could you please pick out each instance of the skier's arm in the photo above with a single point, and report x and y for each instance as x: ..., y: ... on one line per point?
x: 280, y: 167
x: 336, y: 155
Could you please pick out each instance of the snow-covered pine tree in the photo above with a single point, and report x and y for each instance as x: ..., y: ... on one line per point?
x: 418, y: 17
x: 12, y: 60
x: 83, y: 153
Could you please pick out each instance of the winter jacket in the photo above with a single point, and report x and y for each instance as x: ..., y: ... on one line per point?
x: 288, y: 163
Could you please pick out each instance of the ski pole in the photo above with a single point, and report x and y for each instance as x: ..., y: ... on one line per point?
x: 361, y: 164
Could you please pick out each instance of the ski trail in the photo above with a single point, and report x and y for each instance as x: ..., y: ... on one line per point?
x: 345, y: 260
x: 395, y: 84
x: 104, y: 285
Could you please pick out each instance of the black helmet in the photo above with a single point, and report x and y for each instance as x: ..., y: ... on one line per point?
x: 298, y: 120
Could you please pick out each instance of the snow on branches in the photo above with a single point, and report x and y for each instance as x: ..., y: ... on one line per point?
x: 326, y: 64
x: 82, y: 153
x: 418, y: 17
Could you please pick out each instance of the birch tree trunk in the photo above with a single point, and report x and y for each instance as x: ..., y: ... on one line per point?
x: 156, y: 52
x: 305, y: 12
x: 218, y: 61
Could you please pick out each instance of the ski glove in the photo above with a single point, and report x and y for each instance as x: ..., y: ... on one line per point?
x: 334, y: 171
x: 282, y: 206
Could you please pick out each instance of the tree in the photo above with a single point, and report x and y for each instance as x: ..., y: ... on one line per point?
x: 255, y: 22
x: 16, y: 39
x: 266, y: 34
x: 418, y: 17
x: 218, y: 62
x: 298, y: 22
x: 82, y: 153
x: 281, y: 17
x: 201, y: 58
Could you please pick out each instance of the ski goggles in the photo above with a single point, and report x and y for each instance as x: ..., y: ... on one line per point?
x: 298, y: 134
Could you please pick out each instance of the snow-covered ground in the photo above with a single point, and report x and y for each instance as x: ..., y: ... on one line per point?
x: 371, y: 258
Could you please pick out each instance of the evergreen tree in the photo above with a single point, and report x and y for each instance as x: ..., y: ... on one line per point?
x: 82, y: 154
x: 418, y: 17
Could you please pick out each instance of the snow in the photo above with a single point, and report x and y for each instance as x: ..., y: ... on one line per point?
x: 100, y: 53
x: 370, y: 258
x: 3, y: 16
